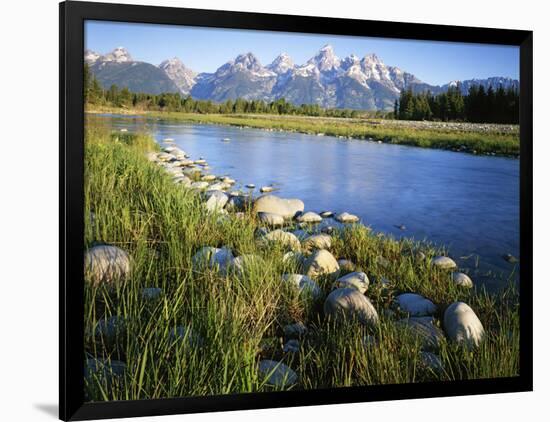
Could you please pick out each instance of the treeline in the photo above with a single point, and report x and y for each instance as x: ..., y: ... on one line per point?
x: 122, y: 97
x: 480, y: 105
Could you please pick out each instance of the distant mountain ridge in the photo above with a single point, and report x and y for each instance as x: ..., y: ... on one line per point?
x: 358, y: 83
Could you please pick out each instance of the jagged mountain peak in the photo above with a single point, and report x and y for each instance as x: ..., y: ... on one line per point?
x: 350, y: 61
x: 118, y: 55
x: 90, y: 56
x: 248, y: 61
x: 325, y: 59
x: 174, y: 61
x: 282, y: 64
x: 183, y: 77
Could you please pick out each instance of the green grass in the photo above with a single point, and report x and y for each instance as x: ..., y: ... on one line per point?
x: 239, y: 319
x: 491, y: 141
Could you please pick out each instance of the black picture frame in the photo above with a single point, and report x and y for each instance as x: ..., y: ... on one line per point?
x: 71, y: 124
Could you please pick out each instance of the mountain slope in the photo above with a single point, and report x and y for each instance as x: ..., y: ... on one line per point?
x: 358, y: 83
x: 118, y: 68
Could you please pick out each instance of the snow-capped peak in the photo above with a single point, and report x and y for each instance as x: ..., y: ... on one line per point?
x: 118, y: 55
x: 90, y: 56
x: 349, y: 61
x: 325, y: 59
x: 282, y: 64
x: 183, y: 77
x: 247, y: 61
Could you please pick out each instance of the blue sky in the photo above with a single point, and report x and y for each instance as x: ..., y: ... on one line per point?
x: 205, y: 49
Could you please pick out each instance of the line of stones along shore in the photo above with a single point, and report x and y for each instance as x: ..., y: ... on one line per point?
x: 348, y: 300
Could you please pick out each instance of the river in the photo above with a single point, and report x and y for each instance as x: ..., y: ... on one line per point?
x: 467, y: 203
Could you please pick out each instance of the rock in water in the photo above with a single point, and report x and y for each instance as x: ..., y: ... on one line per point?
x: 321, y: 263
x: 443, y: 263
x: 216, y: 200
x: 285, y: 239
x: 199, y: 185
x: 350, y: 304
x: 106, y: 264
x: 424, y: 329
x: 271, y: 219
x: 264, y: 189
x: 287, y: 208
x: 357, y: 280
x: 277, y: 374
x: 462, y: 324
x: 347, y: 218
x: 415, y: 305
x: 317, y: 241
x: 212, y: 258
x: 309, y: 217
x: 461, y: 279
x: 303, y: 284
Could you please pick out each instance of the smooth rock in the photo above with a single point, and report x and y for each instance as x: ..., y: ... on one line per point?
x: 303, y: 284
x: 216, y: 200
x: 285, y: 239
x: 326, y: 214
x: 462, y: 280
x: 462, y: 324
x: 424, y: 329
x: 182, y: 180
x: 250, y: 186
x: 321, y: 263
x: 106, y: 264
x: 245, y: 264
x: 199, y: 185
x: 350, y: 304
x: 208, y: 177
x: 277, y: 374
x: 356, y: 280
x: 287, y: 208
x: 219, y: 186
x: 212, y: 258
x: 443, y: 263
x: 309, y: 217
x: 415, y: 305
x: 265, y: 189
x: 347, y: 218
x: 317, y: 241
x: 295, y: 330
x: 271, y: 219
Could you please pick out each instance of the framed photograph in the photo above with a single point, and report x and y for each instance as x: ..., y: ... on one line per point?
x: 267, y: 210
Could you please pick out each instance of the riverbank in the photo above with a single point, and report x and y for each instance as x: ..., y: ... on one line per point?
x: 199, y: 305
x: 487, y: 139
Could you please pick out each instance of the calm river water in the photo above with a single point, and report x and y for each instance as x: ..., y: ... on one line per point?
x: 468, y: 203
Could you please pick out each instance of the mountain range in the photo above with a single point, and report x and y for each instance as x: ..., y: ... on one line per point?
x: 357, y: 83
